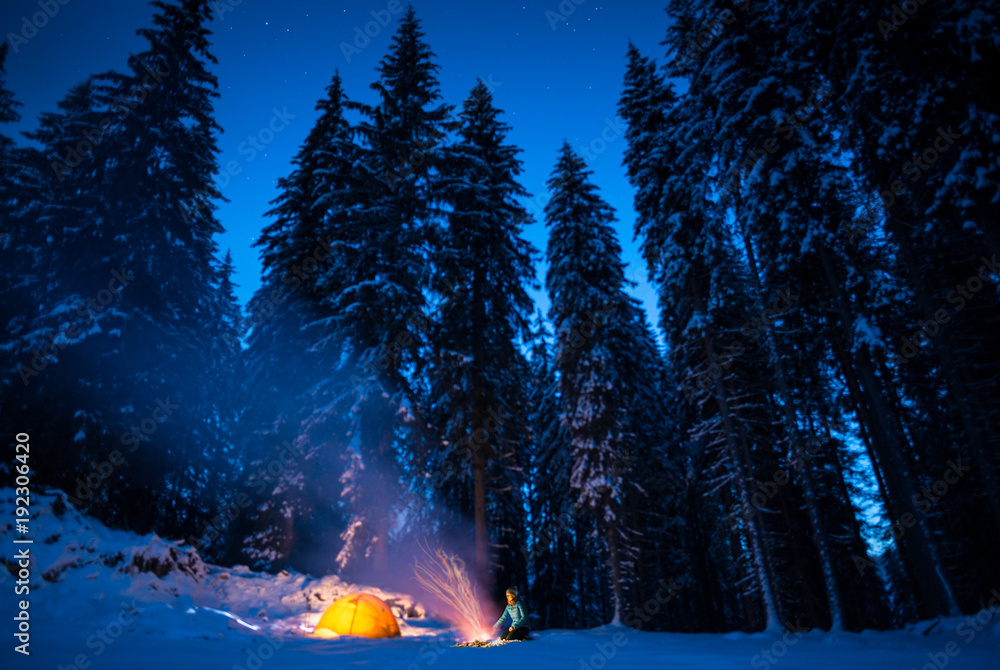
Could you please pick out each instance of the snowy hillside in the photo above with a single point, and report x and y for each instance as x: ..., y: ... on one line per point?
x: 105, y: 598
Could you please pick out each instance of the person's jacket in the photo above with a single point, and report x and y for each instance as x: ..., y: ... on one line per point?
x: 515, y: 614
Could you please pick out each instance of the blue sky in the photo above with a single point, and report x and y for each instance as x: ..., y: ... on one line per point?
x: 557, y: 69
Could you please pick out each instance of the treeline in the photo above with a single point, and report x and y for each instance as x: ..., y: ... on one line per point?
x: 828, y: 302
x: 818, y: 209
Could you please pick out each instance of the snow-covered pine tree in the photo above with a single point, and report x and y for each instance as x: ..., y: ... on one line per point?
x: 294, y: 389
x: 228, y: 345
x: 161, y: 225
x: 382, y: 253
x: 704, y: 307
x: 227, y: 375
x: 645, y: 102
x: 478, y: 371
x: 138, y: 294
x: 551, y: 567
x: 53, y: 253
x: 605, y: 358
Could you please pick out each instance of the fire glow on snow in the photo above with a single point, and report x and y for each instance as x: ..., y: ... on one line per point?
x: 444, y: 576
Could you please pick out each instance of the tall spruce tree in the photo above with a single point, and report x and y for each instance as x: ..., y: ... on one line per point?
x: 551, y: 569
x: 382, y: 250
x: 294, y: 387
x: 162, y: 223
x: 479, y: 372
x: 54, y: 335
x: 136, y: 301
x: 704, y: 307
x: 606, y: 360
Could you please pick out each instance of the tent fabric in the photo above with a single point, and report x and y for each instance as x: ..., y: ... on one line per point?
x: 359, y: 614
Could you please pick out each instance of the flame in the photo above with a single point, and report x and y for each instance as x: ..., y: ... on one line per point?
x: 444, y: 576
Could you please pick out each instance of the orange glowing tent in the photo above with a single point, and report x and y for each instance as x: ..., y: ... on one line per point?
x: 358, y: 614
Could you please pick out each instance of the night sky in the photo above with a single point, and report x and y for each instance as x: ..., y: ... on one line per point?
x: 556, y: 76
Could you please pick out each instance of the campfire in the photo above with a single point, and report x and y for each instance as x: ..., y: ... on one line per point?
x: 444, y: 576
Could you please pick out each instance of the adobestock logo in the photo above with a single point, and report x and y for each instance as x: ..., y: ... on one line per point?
x: 37, y: 21
x: 959, y: 297
x: 919, y: 163
x: 363, y: 36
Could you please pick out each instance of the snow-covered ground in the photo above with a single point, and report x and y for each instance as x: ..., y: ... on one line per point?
x: 107, y: 599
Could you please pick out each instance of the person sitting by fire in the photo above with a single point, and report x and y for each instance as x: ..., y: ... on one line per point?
x: 514, y: 615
